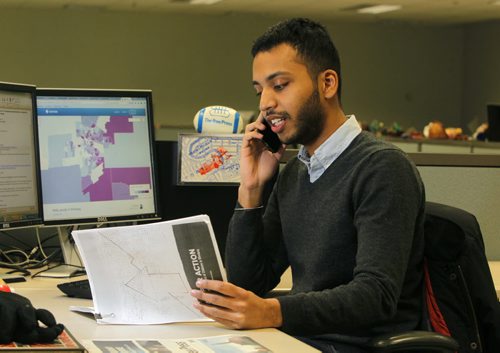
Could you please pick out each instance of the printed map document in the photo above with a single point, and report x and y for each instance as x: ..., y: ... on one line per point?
x: 143, y: 274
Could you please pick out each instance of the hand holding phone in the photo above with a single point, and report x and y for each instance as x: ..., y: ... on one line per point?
x: 270, y: 139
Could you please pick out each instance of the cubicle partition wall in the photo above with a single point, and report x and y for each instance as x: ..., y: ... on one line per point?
x: 470, y: 182
x: 445, y: 146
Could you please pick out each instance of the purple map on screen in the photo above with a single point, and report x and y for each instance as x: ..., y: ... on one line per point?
x: 99, y: 160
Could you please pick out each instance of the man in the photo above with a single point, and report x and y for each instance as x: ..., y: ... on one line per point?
x: 346, y: 215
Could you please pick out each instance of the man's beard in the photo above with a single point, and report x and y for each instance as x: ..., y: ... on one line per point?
x: 309, y: 122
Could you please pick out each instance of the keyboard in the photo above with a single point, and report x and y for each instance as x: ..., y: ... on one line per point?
x: 77, y: 289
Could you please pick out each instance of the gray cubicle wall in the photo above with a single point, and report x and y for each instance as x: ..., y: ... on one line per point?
x: 470, y: 182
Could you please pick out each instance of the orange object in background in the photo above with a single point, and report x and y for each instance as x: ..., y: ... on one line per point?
x: 454, y: 133
x: 435, y: 130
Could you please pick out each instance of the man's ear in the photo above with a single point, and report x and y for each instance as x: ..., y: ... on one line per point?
x: 329, y: 82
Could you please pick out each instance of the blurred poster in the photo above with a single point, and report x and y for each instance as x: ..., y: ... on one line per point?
x: 209, y: 158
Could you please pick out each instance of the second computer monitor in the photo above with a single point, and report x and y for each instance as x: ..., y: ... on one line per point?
x: 20, y: 204
x: 493, y: 132
x: 96, y: 155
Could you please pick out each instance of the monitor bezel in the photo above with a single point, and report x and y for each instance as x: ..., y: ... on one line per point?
x: 31, y: 89
x: 133, y: 93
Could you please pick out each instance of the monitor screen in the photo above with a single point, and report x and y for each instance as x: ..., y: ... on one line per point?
x: 493, y: 132
x: 96, y: 152
x: 20, y: 201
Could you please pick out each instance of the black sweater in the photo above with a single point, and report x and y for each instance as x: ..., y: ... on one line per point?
x: 353, y: 239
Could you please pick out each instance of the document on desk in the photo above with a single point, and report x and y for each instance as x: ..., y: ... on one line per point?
x: 143, y: 274
x: 213, y: 344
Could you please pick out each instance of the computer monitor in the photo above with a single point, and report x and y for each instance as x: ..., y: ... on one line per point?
x: 20, y: 199
x: 493, y: 132
x: 97, y: 156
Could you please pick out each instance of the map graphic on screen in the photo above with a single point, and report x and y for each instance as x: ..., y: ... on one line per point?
x: 95, y: 157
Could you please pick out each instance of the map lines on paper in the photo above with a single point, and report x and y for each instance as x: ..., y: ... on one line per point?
x: 151, y: 282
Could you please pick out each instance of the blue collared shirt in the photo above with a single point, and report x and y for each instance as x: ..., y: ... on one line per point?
x: 329, y: 150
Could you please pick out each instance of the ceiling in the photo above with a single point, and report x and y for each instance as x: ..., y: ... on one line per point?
x: 415, y: 11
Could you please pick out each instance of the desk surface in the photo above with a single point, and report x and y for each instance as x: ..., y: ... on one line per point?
x: 43, y: 293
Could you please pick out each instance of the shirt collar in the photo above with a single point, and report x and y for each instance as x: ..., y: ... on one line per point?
x: 331, y: 149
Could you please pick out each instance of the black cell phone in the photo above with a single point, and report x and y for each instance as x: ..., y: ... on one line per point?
x: 270, y: 139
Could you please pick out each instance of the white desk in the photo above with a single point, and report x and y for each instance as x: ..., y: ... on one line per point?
x: 43, y: 293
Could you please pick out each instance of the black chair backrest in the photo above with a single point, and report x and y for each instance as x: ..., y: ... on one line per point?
x: 461, y: 278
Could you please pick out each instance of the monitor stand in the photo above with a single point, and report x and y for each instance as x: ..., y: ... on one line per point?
x: 72, y: 264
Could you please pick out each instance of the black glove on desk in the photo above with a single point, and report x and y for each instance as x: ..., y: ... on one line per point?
x: 19, y: 321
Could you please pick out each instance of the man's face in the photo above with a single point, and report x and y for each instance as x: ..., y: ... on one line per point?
x: 289, y: 98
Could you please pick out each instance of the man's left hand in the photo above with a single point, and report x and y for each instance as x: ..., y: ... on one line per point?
x: 235, y: 307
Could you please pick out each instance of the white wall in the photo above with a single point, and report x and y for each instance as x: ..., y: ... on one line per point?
x: 481, y: 70
x: 403, y: 73
x: 393, y: 72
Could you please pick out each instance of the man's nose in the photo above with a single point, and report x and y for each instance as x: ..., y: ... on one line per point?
x: 267, y: 100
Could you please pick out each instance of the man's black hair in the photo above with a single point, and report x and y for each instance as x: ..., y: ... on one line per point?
x: 311, y: 41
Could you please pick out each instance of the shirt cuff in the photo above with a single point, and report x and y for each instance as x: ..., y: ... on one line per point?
x: 241, y: 208
x: 248, y: 209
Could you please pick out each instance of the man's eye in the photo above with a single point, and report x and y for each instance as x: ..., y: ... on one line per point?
x: 280, y: 87
x: 258, y: 94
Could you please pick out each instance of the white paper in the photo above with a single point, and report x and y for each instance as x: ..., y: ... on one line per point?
x: 82, y: 309
x: 136, y: 273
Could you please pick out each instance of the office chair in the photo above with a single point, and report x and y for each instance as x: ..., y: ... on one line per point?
x: 461, y: 278
x: 464, y: 311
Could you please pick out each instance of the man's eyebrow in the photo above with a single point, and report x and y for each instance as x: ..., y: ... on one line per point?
x: 271, y: 77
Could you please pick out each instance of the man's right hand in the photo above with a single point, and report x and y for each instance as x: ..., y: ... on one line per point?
x: 257, y: 165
